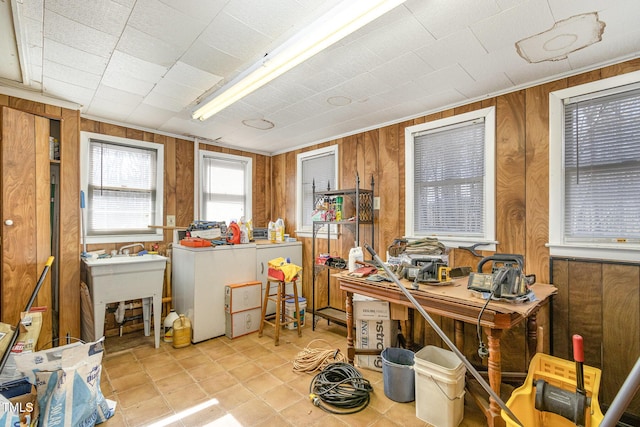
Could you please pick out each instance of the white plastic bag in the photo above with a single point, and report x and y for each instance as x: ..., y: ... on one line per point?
x: 67, y: 381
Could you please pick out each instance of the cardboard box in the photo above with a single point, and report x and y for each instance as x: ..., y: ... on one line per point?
x: 374, y: 329
x: 242, y: 296
x: 242, y: 322
x: 371, y: 310
x: 374, y: 334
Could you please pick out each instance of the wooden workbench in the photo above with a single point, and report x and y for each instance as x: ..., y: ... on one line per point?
x: 454, y: 301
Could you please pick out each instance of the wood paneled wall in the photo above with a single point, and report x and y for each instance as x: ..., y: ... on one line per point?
x: 588, y: 293
x: 68, y: 261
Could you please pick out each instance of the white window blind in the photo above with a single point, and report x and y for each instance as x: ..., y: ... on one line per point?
x: 121, y: 189
x: 602, y: 168
x: 449, y: 174
x: 224, y: 188
x: 321, y: 169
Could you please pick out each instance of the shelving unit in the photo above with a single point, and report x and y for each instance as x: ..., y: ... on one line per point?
x: 358, y: 204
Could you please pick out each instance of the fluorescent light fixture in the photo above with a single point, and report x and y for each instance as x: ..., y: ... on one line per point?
x: 342, y: 20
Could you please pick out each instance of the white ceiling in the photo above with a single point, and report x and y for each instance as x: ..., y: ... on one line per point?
x: 147, y: 63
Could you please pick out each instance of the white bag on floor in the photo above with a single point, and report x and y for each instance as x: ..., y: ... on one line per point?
x: 67, y: 381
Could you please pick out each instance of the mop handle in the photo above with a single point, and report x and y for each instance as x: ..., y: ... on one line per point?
x: 578, y: 356
x: 16, y: 332
x: 443, y: 336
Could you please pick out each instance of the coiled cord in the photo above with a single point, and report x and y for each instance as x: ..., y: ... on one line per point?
x: 341, y: 386
x: 315, y: 359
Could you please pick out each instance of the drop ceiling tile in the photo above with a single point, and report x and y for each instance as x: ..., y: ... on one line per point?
x: 271, y: 18
x: 71, y: 75
x: 147, y: 47
x: 165, y: 23
x: 444, y: 79
x: 127, y: 83
x: 67, y: 91
x: 193, y: 77
x: 113, y: 95
x: 109, y: 109
x: 408, y: 35
x: 123, y: 65
x: 454, y: 48
x: 402, y: 69
x: 496, y: 83
x: 228, y: 35
x: 312, y: 78
x: 81, y: 37
x: 622, y: 47
x: 156, y: 99
x: 514, y: 24
x: 104, y: 15
x: 203, y: 10
x: 349, y: 60
x: 149, y: 116
x: 444, y: 17
x: 67, y: 55
x: 210, y: 59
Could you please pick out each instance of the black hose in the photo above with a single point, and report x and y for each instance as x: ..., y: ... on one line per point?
x: 341, y: 386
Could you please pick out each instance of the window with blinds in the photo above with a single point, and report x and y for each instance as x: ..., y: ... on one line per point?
x: 122, y: 189
x: 317, y: 166
x: 225, y: 182
x: 450, y: 178
x: 602, y: 167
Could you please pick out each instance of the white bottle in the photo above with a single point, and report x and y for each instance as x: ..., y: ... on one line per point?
x: 355, y: 254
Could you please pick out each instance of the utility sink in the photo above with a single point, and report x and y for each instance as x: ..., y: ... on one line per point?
x: 123, y: 278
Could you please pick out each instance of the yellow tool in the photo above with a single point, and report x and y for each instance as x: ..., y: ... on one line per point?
x: 444, y: 274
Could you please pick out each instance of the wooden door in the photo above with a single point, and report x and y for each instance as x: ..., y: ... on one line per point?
x: 26, y: 231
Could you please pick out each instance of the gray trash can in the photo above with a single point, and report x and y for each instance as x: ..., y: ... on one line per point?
x: 397, y: 374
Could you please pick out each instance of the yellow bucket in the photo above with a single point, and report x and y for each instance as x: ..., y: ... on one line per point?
x: 559, y: 373
x: 181, y: 332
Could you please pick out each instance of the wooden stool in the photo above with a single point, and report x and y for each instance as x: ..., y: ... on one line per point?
x: 280, y: 318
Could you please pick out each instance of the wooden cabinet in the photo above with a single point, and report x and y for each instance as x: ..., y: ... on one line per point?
x: 25, y: 205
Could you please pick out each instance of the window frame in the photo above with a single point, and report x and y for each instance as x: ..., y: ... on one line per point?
x: 489, y: 228
x: 307, y: 231
x: 248, y: 180
x: 157, y: 235
x: 558, y: 246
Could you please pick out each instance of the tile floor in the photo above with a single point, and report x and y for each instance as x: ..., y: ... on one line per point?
x: 247, y: 381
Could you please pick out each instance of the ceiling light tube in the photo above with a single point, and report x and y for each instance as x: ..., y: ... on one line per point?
x: 342, y: 20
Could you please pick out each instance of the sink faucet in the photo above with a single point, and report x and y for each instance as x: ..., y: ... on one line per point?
x: 125, y: 249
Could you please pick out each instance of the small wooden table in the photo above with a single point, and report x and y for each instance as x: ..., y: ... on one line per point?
x: 457, y: 303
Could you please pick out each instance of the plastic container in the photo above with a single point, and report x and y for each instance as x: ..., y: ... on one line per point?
x: 181, y: 332
x: 279, y: 230
x: 168, y: 325
x: 397, y: 374
x: 290, y: 310
x: 439, y: 383
x: 355, y: 254
x: 271, y: 231
x: 559, y: 373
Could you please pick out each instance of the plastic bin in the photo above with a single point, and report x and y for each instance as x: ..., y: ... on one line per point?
x: 559, y: 373
x: 439, y: 383
x: 290, y: 310
x: 397, y: 374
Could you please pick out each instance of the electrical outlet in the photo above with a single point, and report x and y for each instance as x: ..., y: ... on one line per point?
x: 171, y: 220
x: 376, y: 203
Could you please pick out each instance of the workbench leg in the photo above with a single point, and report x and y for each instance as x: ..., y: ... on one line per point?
x: 351, y: 350
x: 532, y: 334
x: 458, y: 334
x: 494, y: 368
